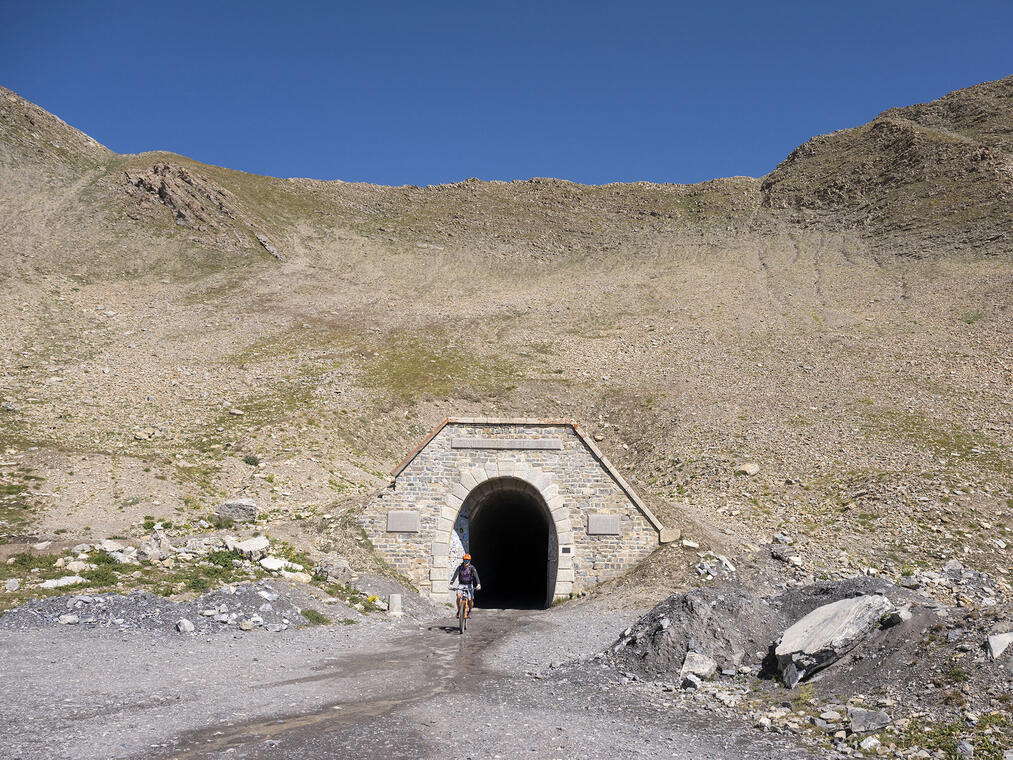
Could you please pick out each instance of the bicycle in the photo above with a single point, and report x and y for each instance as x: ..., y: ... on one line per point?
x: 465, y: 600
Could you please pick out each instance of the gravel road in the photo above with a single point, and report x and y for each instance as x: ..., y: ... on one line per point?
x: 518, y: 684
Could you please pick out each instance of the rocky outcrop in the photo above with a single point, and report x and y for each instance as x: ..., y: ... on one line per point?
x: 196, y: 202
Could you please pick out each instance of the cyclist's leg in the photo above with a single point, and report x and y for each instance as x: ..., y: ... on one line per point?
x: 459, y: 604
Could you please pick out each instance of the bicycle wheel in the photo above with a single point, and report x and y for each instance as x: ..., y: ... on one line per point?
x: 462, y: 621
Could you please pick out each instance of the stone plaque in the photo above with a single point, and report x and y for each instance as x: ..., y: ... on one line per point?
x: 402, y: 522
x: 602, y: 525
x: 523, y: 444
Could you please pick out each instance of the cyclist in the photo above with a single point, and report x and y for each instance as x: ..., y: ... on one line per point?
x: 467, y: 574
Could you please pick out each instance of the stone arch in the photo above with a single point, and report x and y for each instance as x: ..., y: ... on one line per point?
x: 473, y: 477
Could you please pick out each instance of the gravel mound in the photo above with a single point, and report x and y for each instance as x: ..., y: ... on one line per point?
x: 731, y: 624
x: 246, y: 606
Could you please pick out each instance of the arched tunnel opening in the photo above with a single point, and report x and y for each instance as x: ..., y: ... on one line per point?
x: 510, y: 541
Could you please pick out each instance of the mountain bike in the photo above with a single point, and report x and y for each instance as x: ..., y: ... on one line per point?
x: 464, y: 595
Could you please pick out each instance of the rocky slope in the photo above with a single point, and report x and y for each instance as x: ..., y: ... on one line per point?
x: 175, y: 333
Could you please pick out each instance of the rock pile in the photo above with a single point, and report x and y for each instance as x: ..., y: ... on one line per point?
x: 243, y: 607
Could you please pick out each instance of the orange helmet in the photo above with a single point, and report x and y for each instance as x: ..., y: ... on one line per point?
x: 467, y: 556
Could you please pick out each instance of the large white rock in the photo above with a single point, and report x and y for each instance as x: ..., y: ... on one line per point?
x: 273, y: 564
x: 67, y: 580
x: 238, y: 510
x: 825, y: 634
x: 253, y: 548
x: 999, y: 643
x: 699, y: 665
x: 108, y: 545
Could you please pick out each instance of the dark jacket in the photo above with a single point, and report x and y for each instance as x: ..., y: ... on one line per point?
x: 474, y: 575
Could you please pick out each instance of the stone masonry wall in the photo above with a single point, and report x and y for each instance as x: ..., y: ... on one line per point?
x: 575, y: 485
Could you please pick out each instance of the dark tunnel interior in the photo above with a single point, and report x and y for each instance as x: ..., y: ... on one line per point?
x: 510, y: 546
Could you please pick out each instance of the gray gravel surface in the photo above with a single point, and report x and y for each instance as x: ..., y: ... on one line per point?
x: 266, y: 604
x: 374, y: 689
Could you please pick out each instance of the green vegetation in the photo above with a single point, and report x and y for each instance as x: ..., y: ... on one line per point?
x: 970, y: 317
x: 316, y: 618
x: 251, y: 460
x: 409, y: 368
x: 991, y: 737
x: 352, y: 596
x: 944, y: 439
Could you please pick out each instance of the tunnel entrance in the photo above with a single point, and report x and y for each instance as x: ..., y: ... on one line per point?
x: 512, y: 540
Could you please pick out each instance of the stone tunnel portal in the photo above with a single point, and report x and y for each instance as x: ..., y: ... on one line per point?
x: 512, y: 538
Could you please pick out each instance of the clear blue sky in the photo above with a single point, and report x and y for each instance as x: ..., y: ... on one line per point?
x: 428, y: 92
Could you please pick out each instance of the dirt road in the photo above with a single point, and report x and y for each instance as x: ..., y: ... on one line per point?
x: 378, y: 691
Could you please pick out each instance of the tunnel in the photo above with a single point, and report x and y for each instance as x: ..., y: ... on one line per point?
x: 512, y: 543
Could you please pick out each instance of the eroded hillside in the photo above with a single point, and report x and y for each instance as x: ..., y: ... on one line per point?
x: 174, y: 333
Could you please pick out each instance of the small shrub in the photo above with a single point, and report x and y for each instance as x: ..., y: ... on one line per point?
x: 221, y: 558
x: 251, y: 460
x: 100, y: 576
x: 316, y: 618
x: 197, y: 582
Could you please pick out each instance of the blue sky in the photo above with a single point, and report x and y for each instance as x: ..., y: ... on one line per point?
x: 422, y: 93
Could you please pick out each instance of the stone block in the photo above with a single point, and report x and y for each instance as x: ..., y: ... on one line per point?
x: 444, y: 524
x: 602, y: 524
x: 564, y: 526
x: 541, y: 481
x: 550, y: 492
x: 448, y: 513
x: 441, y: 549
x: 439, y: 574
x: 564, y: 574
x: 402, y: 521
x: 441, y: 560
x: 565, y: 560
x: 468, y: 479
x: 453, y: 501
x: 394, y: 605
x: 566, y: 539
x: 491, y: 470
x: 459, y: 491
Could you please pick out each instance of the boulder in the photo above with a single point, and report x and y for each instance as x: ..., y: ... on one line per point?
x: 12, y: 585
x: 297, y: 576
x: 825, y: 634
x: 67, y: 580
x: 999, y: 643
x: 273, y: 564
x: 334, y: 569
x: 255, y: 548
x: 747, y: 468
x: 698, y: 665
x: 107, y: 545
x: 156, y: 548
x: 68, y: 620
x: 185, y: 626
x: 863, y: 721
x: 237, y: 510
x: 869, y: 743
x: 898, y: 616
x: 690, y: 681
